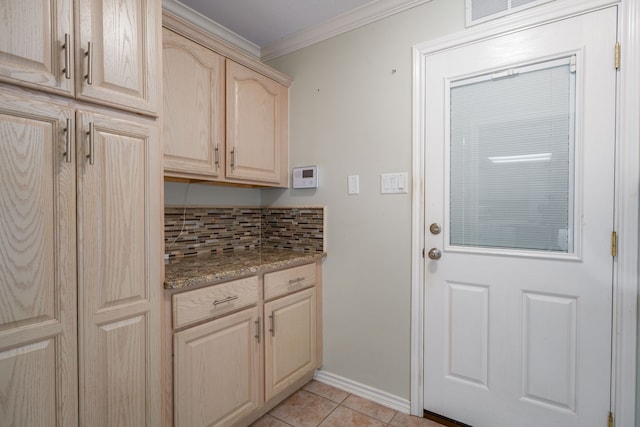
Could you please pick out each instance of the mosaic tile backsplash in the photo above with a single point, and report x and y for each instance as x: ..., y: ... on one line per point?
x: 195, y: 230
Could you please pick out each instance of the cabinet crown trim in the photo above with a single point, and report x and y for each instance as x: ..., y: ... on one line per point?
x: 198, y: 35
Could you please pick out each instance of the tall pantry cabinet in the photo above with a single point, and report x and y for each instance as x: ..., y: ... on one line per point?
x: 80, y: 213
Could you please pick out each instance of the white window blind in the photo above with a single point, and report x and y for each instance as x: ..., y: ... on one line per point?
x: 512, y: 158
x: 478, y: 11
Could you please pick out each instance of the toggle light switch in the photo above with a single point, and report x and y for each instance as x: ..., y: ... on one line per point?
x: 353, y: 184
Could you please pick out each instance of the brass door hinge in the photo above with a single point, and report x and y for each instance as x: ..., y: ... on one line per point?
x: 610, y: 419
x: 617, y: 56
x: 614, y: 243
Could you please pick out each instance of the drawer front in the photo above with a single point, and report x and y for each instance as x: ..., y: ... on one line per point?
x: 193, y: 306
x: 284, y: 281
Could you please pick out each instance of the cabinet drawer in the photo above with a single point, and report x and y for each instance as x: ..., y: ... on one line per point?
x: 193, y: 306
x: 285, y: 281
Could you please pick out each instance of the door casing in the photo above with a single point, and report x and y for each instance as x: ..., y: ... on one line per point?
x: 625, y: 280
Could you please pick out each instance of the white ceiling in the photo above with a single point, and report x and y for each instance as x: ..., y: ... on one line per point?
x: 263, y: 22
x: 270, y: 28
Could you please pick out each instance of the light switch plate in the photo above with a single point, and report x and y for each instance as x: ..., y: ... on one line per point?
x: 394, y: 183
x: 353, y: 184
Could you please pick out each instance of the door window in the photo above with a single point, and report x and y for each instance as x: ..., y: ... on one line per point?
x: 512, y: 168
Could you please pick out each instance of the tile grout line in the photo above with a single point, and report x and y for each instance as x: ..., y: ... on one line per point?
x: 327, y: 416
x: 341, y: 403
x: 338, y: 404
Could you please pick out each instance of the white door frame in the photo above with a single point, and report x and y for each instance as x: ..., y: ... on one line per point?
x: 625, y: 282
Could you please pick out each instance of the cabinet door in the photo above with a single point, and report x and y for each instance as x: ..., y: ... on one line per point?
x: 290, y: 340
x: 257, y: 127
x: 119, y: 255
x: 217, y: 371
x: 38, y: 376
x: 122, y: 66
x: 32, y: 44
x: 193, y: 107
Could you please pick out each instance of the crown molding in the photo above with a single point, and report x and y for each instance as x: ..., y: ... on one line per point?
x: 179, y: 9
x: 363, y: 15
x: 347, y: 21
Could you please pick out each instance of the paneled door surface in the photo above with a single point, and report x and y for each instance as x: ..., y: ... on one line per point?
x: 520, y: 139
x: 38, y: 364
x: 117, y: 178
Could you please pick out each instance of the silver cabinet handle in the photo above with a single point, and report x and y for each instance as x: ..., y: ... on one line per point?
x: 217, y: 156
x: 91, y: 144
x: 296, y: 281
x: 67, y: 56
x: 89, y: 55
x: 67, y: 145
x: 273, y: 325
x: 257, y: 335
x: 233, y: 158
x: 227, y: 299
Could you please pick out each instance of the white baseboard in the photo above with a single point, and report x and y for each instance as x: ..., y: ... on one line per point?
x: 362, y: 390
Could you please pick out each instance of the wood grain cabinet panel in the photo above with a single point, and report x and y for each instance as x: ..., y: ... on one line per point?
x: 193, y: 107
x: 32, y: 44
x: 109, y: 57
x: 216, y: 369
x: 212, y: 301
x: 290, y: 340
x: 231, y: 370
x: 80, y: 213
x: 118, y: 198
x: 122, y: 66
x: 257, y: 127
x: 38, y: 379
x: 224, y: 122
x: 282, y: 282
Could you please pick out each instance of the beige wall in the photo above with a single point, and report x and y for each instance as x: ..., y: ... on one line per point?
x: 350, y: 114
x: 178, y: 194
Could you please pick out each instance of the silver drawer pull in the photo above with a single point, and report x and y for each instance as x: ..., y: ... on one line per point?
x: 89, y: 55
x: 296, y: 281
x: 257, y: 335
x: 67, y: 56
x: 67, y: 146
x: 91, y: 133
x: 227, y: 299
x: 272, y: 329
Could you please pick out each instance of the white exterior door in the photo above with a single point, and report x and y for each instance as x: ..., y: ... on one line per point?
x: 520, y: 138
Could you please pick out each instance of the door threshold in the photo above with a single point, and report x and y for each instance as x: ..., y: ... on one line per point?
x: 443, y: 420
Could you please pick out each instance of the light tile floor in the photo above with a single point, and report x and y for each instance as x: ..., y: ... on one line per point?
x: 318, y: 404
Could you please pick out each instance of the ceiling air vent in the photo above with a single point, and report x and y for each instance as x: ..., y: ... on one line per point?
x: 484, y: 10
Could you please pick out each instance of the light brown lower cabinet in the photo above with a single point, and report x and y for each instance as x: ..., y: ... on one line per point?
x: 238, y: 355
x: 217, y: 366
x: 290, y: 340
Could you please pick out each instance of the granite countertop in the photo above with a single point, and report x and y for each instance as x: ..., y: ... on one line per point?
x: 200, y: 270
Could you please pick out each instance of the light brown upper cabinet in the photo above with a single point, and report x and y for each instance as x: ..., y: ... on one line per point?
x: 193, y: 108
x: 257, y: 124
x: 110, y: 57
x: 225, y: 115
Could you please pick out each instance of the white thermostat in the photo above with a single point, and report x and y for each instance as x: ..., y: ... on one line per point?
x: 305, y: 177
